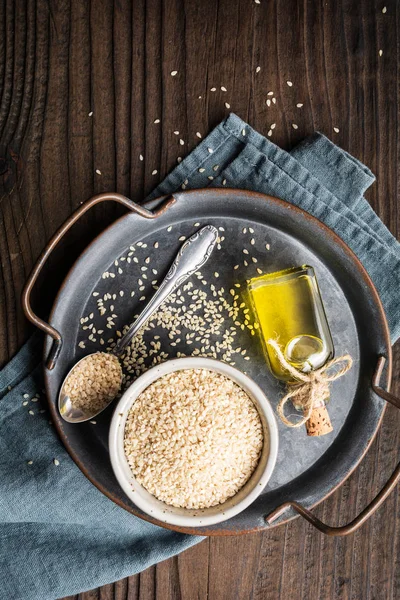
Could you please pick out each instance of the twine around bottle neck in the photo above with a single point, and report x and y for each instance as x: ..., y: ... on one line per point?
x: 313, y: 387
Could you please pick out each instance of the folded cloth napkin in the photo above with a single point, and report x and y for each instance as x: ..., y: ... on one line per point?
x: 59, y: 535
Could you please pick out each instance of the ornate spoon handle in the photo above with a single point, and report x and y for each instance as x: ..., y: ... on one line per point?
x: 194, y: 253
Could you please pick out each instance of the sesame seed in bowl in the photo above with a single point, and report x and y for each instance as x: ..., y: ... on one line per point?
x: 193, y: 441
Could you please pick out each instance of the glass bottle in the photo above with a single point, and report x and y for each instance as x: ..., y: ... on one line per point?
x: 289, y: 309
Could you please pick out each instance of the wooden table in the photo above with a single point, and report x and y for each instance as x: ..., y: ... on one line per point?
x: 82, y: 84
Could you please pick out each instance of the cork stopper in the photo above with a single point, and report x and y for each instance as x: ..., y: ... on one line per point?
x: 311, y: 391
x: 319, y: 422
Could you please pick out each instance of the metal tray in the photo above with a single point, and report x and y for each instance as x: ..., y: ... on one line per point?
x: 308, y: 469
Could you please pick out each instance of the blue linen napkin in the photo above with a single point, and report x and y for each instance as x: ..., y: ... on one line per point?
x: 59, y: 535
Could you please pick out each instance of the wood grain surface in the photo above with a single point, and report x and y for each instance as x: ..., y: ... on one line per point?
x: 81, y: 84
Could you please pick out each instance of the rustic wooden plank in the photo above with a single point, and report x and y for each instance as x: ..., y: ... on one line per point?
x: 80, y: 124
x: 270, y: 566
x: 147, y: 589
x: 122, y: 31
x: 232, y: 566
x: 137, y: 114
x: 193, y: 571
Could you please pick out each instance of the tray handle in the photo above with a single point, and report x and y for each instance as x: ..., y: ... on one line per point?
x: 26, y: 294
x: 376, y: 502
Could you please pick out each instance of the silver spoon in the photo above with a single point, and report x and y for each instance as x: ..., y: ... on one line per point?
x: 193, y: 254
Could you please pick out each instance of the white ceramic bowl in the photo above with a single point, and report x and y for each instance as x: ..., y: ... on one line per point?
x: 181, y: 516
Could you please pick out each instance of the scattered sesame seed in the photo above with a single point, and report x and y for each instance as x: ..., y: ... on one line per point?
x: 198, y: 134
x: 267, y: 246
x: 269, y: 133
x: 299, y: 105
x: 93, y: 422
x: 157, y: 121
x: 243, y: 132
x: 201, y: 170
x: 182, y: 238
x: 252, y: 241
x: 224, y: 182
x: 210, y: 150
x: 141, y: 157
x: 380, y: 52
x: 169, y: 228
x: 31, y: 412
x: 251, y: 230
x: 216, y: 274
x: 154, y: 172
x: 30, y: 462
x: 155, y: 245
x: 227, y: 105
x: 289, y: 83
x: 295, y: 126
x: 336, y: 129
x: 210, y: 177
x: 176, y: 132
x: 245, y: 251
x: 91, y: 114
x: 259, y: 271
x: 179, y: 159
x: 257, y: 1
x: 173, y: 73
x: 270, y: 94
x: 223, y: 88
x: 384, y: 9
x: 25, y: 403
x: 98, y: 171
x: 274, y: 100
x: 273, y: 126
x: 268, y: 102
x: 181, y: 142
x: 26, y: 395
x: 213, y: 89
x: 56, y: 461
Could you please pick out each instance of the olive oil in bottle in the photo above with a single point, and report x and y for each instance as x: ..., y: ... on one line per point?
x: 289, y: 309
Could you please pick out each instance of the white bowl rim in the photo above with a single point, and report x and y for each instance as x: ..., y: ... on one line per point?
x: 120, y: 466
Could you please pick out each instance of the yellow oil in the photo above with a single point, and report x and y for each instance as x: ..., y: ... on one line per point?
x: 289, y: 309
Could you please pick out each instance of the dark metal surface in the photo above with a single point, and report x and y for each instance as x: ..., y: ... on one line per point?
x: 26, y: 294
x: 307, y: 470
x: 373, y: 505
